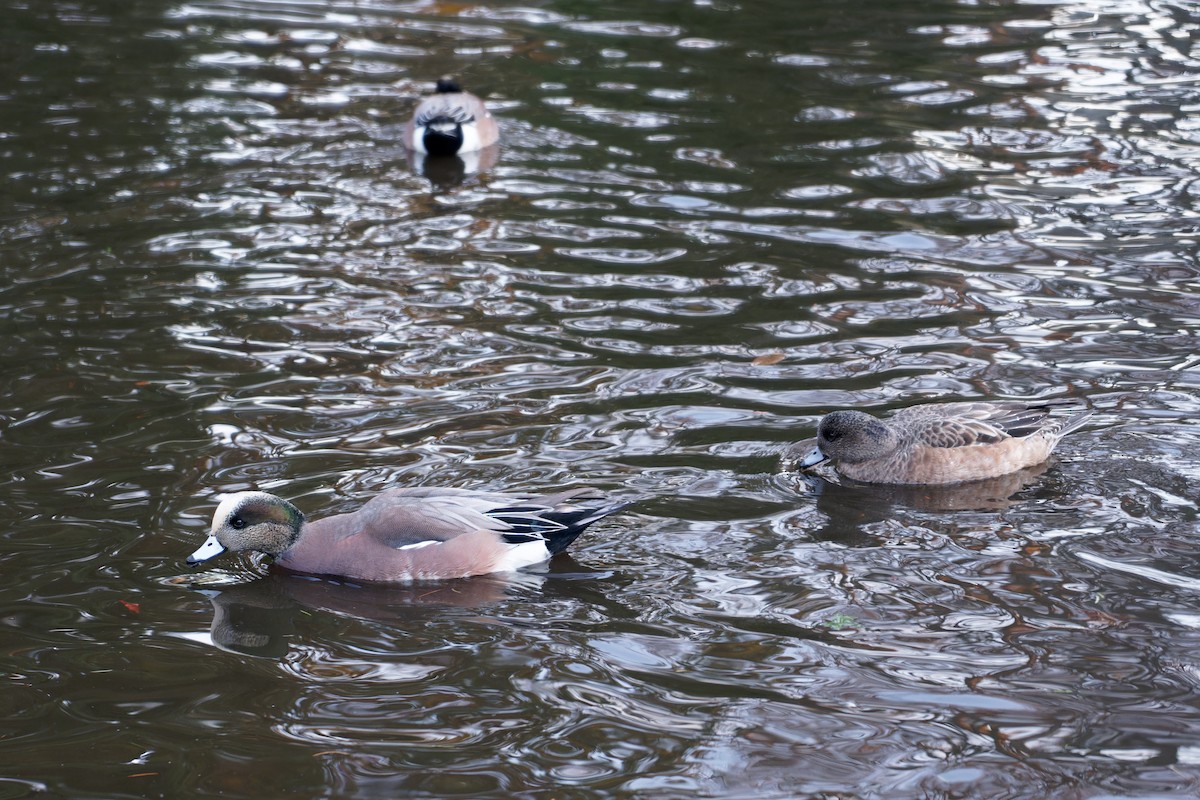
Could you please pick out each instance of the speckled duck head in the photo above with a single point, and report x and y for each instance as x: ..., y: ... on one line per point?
x: 254, y: 521
x: 851, y: 437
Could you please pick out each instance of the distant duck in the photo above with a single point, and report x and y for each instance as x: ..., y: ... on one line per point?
x: 939, y: 443
x: 450, y: 122
x: 407, y: 534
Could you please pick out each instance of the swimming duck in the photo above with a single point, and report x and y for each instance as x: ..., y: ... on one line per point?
x: 407, y: 534
x: 941, y: 442
x: 449, y: 122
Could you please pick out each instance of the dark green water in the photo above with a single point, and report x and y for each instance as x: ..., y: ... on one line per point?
x: 709, y: 224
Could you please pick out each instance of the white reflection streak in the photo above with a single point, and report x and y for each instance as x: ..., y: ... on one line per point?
x: 1142, y: 571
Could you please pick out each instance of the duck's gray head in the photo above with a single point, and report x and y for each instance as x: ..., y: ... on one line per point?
x: 850, y: 437
x: 251, y: 521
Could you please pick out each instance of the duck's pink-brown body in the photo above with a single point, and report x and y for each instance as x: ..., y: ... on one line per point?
x: 407, y: 534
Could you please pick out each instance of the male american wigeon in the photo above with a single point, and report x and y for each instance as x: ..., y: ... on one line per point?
x: 407, y: 534
x: 941, y: 442
x: 449, y: 122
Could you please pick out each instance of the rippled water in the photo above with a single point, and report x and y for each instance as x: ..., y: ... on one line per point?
x: 708, y: 224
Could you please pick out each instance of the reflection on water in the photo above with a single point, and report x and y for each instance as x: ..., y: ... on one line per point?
x: 707, y: 226
x: 449, y: 172
x: 257, y: 617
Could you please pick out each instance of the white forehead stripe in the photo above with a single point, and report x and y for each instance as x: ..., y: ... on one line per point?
x: 232, y: 502
x: 226, y: 507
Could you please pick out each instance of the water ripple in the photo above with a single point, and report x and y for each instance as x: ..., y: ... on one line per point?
x: 703, y: 230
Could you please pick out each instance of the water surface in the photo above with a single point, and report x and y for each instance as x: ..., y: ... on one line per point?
x: 708, y: 224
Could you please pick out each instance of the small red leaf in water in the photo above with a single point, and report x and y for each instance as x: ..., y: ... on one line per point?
x: 133, y: 608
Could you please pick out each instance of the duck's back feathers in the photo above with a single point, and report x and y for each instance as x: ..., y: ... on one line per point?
x: 967, y: 424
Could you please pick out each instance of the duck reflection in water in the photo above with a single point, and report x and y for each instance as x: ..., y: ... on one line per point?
x: 449, y: 172
x: 257, y: 617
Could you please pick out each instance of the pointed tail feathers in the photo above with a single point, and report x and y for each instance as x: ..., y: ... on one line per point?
x: 556, y: 519
x: 574, y: 521
x: 1074, y: 423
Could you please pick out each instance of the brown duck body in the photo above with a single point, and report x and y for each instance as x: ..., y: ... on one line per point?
x: 941, y: 443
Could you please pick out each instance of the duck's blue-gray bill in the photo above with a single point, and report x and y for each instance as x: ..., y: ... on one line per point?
x: 210, y: 549
x: 814, y: 457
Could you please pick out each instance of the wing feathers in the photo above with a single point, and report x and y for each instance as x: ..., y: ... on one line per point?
x: 967, y: 424
x: 403, y: 518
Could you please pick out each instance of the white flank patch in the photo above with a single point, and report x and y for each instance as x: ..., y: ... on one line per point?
x: 470, y: 141
x: 522, y: 555
x: 418, y: 139
x: 418, y: 545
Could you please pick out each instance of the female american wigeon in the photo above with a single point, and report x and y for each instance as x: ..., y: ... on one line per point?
x: 449, y: 122
x: 940, y: 442
x: 408, y: 534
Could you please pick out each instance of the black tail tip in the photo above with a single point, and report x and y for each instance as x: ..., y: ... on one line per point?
x: 584, y: 518
x: 448, y: 86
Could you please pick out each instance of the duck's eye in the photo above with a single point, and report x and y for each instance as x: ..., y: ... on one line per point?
x: 831, y: 435
x: 237, y: 522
